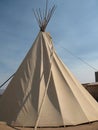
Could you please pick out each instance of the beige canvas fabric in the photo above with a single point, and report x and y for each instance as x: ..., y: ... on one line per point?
x: 44, y: 92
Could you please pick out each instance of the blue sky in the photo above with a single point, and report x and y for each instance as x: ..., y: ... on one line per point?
x: 74, y: 26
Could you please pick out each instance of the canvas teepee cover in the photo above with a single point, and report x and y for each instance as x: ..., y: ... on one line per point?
x: 44, y: 92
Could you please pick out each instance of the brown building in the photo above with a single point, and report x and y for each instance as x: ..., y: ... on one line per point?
x: 92, y: 89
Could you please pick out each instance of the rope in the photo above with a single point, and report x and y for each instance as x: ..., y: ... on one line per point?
x: 85, y: 62
x: 6, y: 81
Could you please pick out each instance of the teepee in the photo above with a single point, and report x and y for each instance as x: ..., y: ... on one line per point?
x: 43, y: 92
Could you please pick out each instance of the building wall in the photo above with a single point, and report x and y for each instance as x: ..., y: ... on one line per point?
x: 92, y: 89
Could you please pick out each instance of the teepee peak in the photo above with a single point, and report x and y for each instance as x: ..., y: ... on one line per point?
x: 43, y: 17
